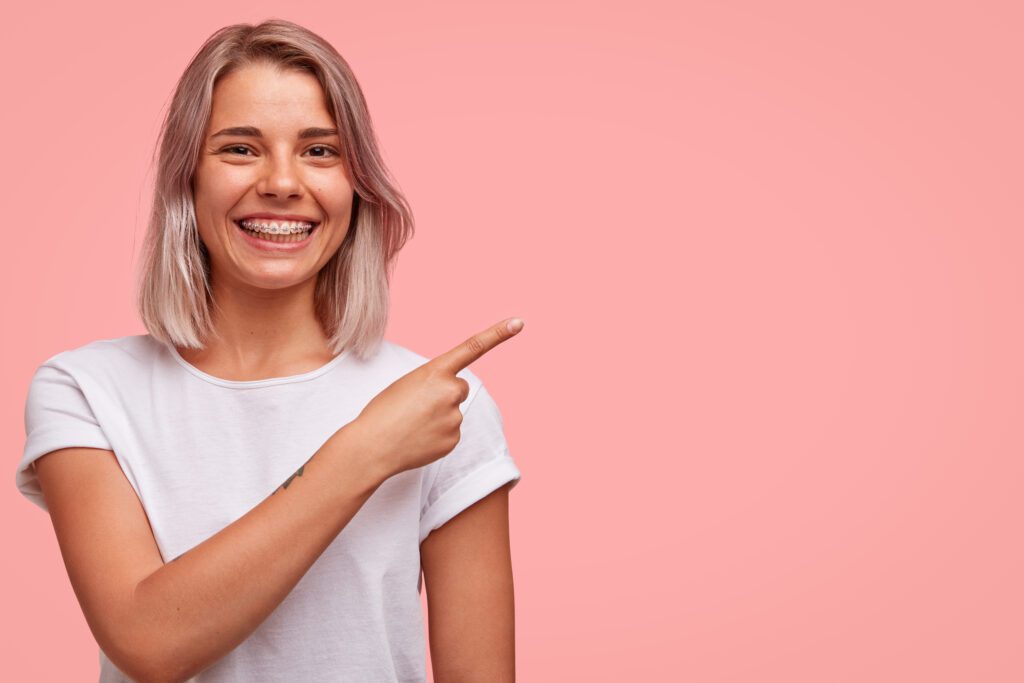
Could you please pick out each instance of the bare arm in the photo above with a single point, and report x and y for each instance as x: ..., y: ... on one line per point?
x: 168, y: 622
x: 467, y: 565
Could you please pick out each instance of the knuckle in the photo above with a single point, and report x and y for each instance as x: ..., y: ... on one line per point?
x: 475, y: 344
x: 438, y: 376
x: 453, y: 420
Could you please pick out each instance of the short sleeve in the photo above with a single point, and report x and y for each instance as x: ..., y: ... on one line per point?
x: 478, y: 465
x: 57, y: 415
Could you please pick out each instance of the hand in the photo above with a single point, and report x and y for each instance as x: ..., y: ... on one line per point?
x: 416, y: 419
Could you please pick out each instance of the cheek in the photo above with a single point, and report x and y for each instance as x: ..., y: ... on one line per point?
x: 336, y: 199
x: 220, y: 183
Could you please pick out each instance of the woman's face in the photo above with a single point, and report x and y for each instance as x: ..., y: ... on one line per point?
x: 278, y: 167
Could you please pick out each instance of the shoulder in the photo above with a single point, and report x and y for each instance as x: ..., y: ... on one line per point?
x: 117, y: 357
x: 396, y: 355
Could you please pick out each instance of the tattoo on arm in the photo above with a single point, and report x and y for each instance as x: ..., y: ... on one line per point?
x: 298, y: 473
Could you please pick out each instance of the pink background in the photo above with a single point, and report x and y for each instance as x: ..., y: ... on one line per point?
x: 767, y: 404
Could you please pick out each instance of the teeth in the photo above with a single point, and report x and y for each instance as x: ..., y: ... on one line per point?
x: 277, y: 227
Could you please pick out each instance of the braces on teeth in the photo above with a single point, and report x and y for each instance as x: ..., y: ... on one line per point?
x: 274, y: 229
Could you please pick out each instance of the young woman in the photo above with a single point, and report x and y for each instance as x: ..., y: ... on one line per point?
x: 251, y: 491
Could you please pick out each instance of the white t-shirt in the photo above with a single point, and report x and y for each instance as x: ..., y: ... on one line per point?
x: 201, y: 452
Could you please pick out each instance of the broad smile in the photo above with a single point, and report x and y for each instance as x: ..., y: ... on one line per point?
x: 284, y: 239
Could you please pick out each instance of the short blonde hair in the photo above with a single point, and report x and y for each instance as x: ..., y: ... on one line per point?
x: 352, y: 289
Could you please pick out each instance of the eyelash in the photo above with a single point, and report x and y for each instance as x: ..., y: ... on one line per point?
x: 329, y: 149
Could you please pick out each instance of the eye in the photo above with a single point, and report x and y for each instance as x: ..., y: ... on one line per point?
x: 323, y: 147
x: 243, y: 148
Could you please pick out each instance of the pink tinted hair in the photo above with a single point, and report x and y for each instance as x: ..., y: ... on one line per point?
x: 352, y: 290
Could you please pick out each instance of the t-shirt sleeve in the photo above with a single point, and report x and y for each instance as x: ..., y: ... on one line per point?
x: 57, y: 415
x: 479, y: 464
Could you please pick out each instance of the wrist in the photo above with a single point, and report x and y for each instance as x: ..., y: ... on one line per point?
x: 359, y: 452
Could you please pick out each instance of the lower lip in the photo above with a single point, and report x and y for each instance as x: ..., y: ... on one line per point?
x: 285, y: 247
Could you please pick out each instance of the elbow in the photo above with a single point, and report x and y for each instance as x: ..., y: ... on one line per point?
x: 157, y: 664
x: 144, y: 649
x: 153, y: 669
x: 145, y: 656
x: 144, y: 665
x: 160, y: 676
x: 164, y: 676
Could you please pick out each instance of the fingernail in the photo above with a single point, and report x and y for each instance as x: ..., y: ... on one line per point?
x: 514, y: 325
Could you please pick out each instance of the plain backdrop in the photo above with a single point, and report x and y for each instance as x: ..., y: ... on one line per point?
x: 768, y: 401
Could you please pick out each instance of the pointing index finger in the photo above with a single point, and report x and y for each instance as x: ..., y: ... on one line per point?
x: 477, y: 345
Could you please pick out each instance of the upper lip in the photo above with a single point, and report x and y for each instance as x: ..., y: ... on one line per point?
x: 278, y: 217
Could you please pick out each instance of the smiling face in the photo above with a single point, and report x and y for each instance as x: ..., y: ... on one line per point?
x: 278, y: 167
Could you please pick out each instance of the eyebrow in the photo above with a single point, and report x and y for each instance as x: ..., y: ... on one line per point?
x: 251, y: 132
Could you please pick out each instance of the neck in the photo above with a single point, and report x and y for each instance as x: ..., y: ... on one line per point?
x: 262, y: 333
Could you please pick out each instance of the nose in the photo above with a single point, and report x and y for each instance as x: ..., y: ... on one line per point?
x: 279, y: 179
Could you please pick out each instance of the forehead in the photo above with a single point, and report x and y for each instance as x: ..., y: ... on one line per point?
x: 263, y: 95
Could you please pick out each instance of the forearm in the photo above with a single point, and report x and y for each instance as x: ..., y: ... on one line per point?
x: 201, y: 605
